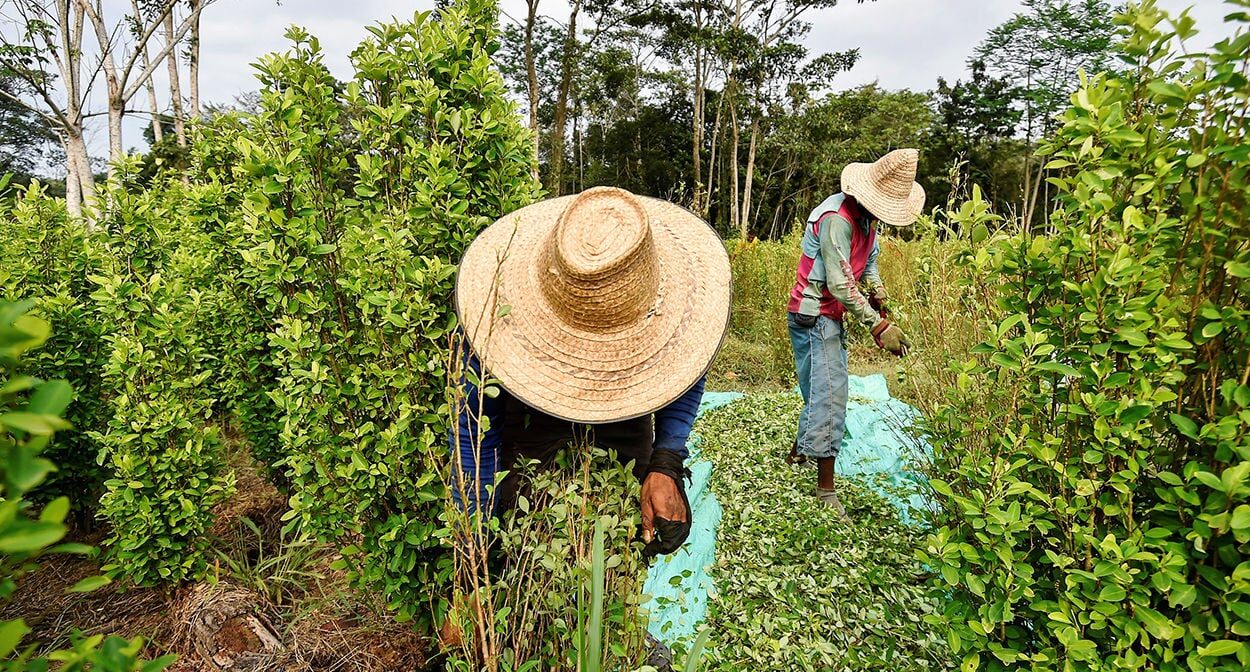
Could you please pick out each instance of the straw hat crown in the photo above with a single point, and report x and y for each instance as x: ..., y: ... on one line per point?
x: 887, y: 187
x: 602, y: 270
x: 597, y: 307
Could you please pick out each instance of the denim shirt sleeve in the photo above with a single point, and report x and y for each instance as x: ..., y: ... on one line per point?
x: 477, y: 461
x: 673, y: 422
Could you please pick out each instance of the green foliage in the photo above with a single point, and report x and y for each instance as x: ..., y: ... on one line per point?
x: 757, y: 348
x: 567, y: 593
x: 820, y: 137
x: 1098, y: 505
x: 26, y: 139
x: 358, y: 199
x: 48, y: 257
x: 166, y: 471
x: 973, y: 136
x: 796, y: 588
x: 30, y: 414
x: 1039, y: 50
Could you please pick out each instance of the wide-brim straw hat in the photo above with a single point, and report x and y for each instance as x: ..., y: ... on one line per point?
x: 597, y: 307
x: 887, y: 187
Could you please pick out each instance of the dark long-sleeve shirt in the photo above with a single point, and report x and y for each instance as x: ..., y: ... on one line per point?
x: 479, y: 460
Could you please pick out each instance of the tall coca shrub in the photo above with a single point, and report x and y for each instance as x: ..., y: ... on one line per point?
x: 358, y: 199
x: 161, y: 446
x: 1099, y: 518
x: 48, y: 257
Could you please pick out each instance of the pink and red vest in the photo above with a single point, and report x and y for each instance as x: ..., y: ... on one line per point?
x: 863, y: 237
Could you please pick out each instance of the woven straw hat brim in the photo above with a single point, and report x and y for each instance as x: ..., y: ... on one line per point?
x: 594, y: 376
x: 857, y: 182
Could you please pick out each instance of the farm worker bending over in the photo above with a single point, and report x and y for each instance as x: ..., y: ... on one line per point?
x: 599, y: 314
x: 839, y: 251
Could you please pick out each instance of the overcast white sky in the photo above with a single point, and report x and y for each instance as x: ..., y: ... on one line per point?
x: 903, y: 43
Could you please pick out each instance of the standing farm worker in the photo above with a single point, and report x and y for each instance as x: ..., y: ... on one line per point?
x: 840, y: 251
x: 599, y: 314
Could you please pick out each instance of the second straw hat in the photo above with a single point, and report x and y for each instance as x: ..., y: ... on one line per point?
x: 887, y: 187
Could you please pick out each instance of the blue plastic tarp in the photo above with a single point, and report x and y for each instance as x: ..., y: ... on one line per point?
x: 878, y: 442
x: 679, y: 583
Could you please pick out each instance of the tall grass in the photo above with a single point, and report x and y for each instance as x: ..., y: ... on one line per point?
x: 757, y: 353
x: 557, y: 583
x: 938, y: 296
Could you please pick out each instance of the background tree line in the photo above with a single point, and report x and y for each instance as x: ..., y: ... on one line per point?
x: 719, y: 105
x: 59, y: 58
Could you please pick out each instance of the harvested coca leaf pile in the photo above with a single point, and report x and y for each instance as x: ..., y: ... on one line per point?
x: 796, y: 589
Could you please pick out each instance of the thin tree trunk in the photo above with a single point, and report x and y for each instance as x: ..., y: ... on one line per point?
x: 1031, y: 208
x: 73, y: 185
x: 80, y: 165
x: 194, y: 59
x: 577, y: 143
x: 1028, y: 154
x: 744, y: 233
x: 697, y: 122
x: 531, y: 72
x: 562, y: 102
x: 117, y: 110
x: 734, y: 203
x: 77, y: 163
x: 158, y: 130
x: 116, y: 98
x: 711, y: 162
x: 175, y: 85
x: 1024, y: 189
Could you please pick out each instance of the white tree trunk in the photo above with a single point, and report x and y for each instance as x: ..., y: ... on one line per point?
x: 158, y: 130
x: 194, y: 60
x: 745, y: 212
x: 117, y: 110
x: 711, y: 161
x: 76, y: 155
x: 175, y: 86
x: 73, y: 186
x: 116, y: 101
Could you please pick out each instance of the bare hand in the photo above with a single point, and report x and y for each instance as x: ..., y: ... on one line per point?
x: 660, y: 499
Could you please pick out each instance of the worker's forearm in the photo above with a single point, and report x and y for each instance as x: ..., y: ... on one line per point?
x: 872, y: 272
x: 475, y: 444
x: 835, y: 245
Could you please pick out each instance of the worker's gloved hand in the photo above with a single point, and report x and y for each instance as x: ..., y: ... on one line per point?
x: 877, y: 299
x: 665, y: 509
x: 890, y: 338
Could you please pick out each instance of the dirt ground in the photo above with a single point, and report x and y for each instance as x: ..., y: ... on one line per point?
x: 240, y: 619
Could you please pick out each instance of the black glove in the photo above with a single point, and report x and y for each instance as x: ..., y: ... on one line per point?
x: 805, y: 321
x: 669, y: 534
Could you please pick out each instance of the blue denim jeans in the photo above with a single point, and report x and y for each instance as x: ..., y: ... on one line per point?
x: 820, y: 362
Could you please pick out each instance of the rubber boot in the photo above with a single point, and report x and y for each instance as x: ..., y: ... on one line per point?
x: 824, y: 486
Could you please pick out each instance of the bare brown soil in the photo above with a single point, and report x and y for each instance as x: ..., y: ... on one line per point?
x: 323, y: 626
